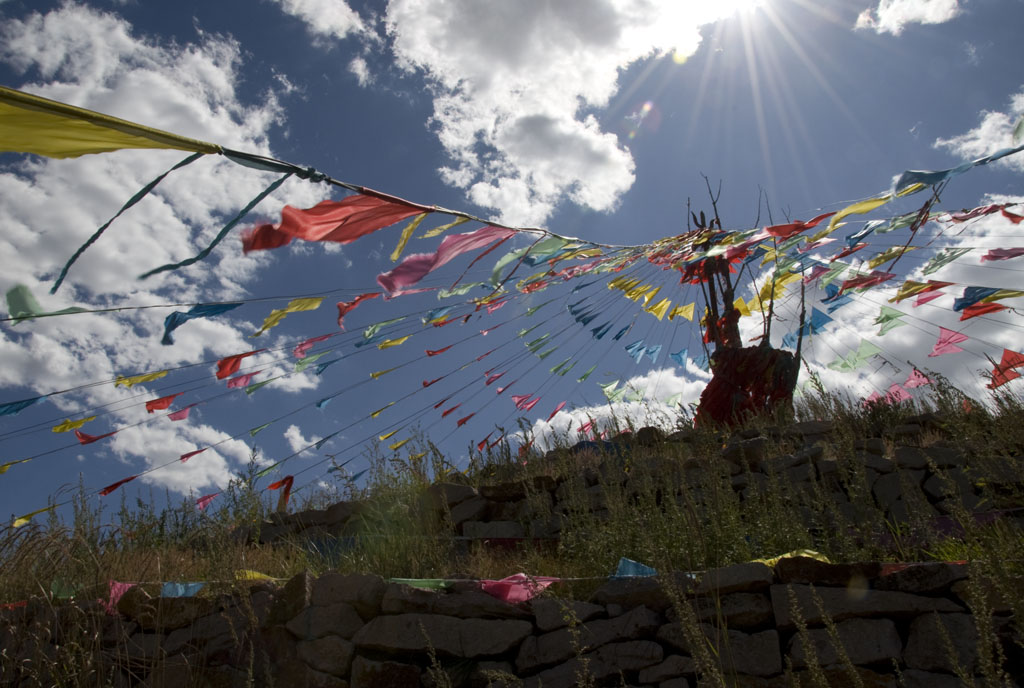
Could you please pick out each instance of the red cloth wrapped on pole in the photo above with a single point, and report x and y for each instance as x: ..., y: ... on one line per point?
x: 286, y: 483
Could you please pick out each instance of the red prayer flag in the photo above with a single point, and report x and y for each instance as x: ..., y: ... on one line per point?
x: 463, y: 421
x: 346, y: 307
x: 205, y: 500
x: 89, y: 439
x: 226, y: 367
x: 788, y: 230
x: 110, y: 488
x: 188, y: 455
x: 286, y: 483
x: 557, y: 409
x: 438, y: 351
x: 161, y: 403
x: 451, y: 410
x: 181, y: 414
x: 341, y: 221
x: 427, y: 383
x: 981, y: 309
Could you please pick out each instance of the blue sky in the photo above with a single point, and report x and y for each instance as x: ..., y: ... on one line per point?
x: 592, y: 119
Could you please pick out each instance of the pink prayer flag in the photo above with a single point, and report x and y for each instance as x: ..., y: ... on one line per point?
x: 872, y: 398
x: 557, y: 409
x: 947, y: 342
x: 528, y: 406
x: 493, y: 378
x: 205, y: 500
x: 181, y: 414
x: 966, y: 215
x: 586, y: 427
x: 518, y: 587
x: 188, y: 455
x: 417, y: 266
x: 916, y: 379
x: 897, y: 394
x: 1015, y: 219
x: 302, y: 349
x: 242, y: 380
x: 117, y: 591
x: 1002, y: 254
x: 927, y: 296
x: 520, y: 399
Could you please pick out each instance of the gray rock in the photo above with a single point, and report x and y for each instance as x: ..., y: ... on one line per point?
x: 751, y: 452
x: 469, y: 510
x: 994, y: 599
x: 910, y: 457
x: 602, y: 664
x: 946, y: 457
x: 928, y: 650
x: 872, y: 445
x: 560, y: 645
x: 143, y: 647
x: 504, y: 492
x: 747, y: 577
x: 649, y: 592
x: 340, y: 513
x: 470, y: 604
x: 875, y: 461
x: 446, y: 495
x: 673, y: 666
x: 338, y: 619
x: 810, y: 428
x: 840, y: 676
x: 362, y: 591
x: 810, y: 570
x: 447, y: 635
x: 927, y: 578
x: 331, y: 655
x: 368, y: 673
x: 493, y: 530
x: 756, y: 654
x: 840, y: 604
x: 954, y: 483
x: 893, y: 486
x: 292, y: 598
x: 739, y: 610
x: 912, y: 678
x: 865, y: 641
x: 552, y: 613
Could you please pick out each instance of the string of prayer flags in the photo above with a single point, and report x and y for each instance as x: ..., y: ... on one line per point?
x: 130, y: 382
x: 179, y: 318
x: 113, y: 486
x: 294, y: 306
x: 340, y: 222
x: 69, y: 424
x: 226, y: 367
x: 947, y: 343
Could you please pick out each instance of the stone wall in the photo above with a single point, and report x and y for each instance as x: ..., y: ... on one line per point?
x: 752, y: 624
x: 898, y: 473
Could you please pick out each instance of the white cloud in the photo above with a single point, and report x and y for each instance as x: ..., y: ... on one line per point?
x: 891, y: 16
x: 361, y: 70
x: 93, y: 59
x: 325, y: 18
x: 296, y: 441
x: 515, y: 85
x: 993, y: 133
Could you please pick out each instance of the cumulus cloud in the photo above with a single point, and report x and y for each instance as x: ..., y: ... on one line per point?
x: 891, y: 16
x: 293, y: 435
x: 515, y: 87
x: 325, y: 19
x: 95, y: 60
x: 995, y: 131
x: 361, y: 70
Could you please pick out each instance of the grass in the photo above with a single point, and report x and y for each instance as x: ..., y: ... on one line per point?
x: 672, y: 506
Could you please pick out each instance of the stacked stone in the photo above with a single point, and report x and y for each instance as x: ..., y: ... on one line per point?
x: 751, y: 624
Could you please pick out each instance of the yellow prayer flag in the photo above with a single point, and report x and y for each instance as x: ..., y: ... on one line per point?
x: 417, y: 457
x: 658, y: 310
x: 388, y: 343
x: 32, y: 124
x: 6, y: 466
x: 387, y: 436
x: 69, y: 425
x: 684, y: 311
x: 1002, y: 294
x: 249, y: 575
x: 399, y: 445
x: 130, y: 382
x: 23, y: 520
x: 755, y: 304
x: 889, y: 254
x: 381, y: 372
x: 381, y: 410
x: 741, y: 305
x: 294, y: 306
x: 650, y: 295
x: 858, y: 208
x: 907, y: 289
x: 406, y: 233
x: 443, y: 228
x: 637, y: 292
